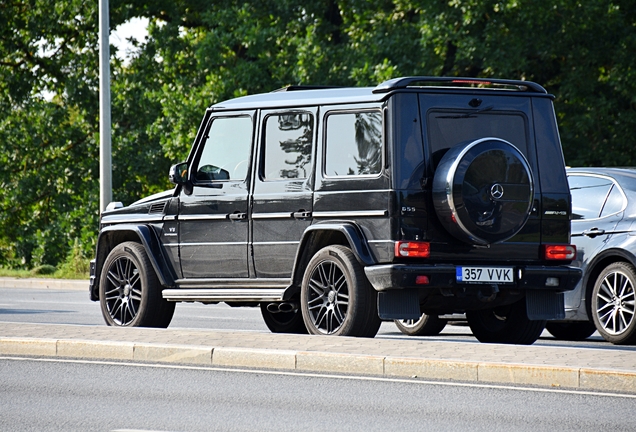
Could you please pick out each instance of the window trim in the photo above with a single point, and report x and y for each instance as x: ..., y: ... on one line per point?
x: 263, y: 145
x: 200, y: 148
x: 383, y: 162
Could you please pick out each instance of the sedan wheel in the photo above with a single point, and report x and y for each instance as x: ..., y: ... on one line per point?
x: 613, y: 303
x: 427, y: 325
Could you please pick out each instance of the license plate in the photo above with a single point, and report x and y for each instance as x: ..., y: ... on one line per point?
x: 485, y: 274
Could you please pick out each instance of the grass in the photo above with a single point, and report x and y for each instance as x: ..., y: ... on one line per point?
x: 76, y: 266
x: 77, y: 269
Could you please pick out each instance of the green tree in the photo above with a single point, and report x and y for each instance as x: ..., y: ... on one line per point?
x: 199, y: 53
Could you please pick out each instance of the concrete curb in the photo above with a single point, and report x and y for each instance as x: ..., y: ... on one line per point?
x: 309, y: 361
x: 37, y: 283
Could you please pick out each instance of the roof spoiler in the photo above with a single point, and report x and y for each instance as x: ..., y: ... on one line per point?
x: 493, y: 83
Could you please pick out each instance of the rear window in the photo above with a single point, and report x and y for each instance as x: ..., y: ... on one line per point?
x: 447, y: 129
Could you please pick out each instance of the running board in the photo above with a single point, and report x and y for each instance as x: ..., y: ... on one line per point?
x: 232, y: 283
x: 224, y: 295
x: 231, y: 289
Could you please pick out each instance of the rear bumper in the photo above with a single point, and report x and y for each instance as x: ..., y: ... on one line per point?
x: 403, y: 276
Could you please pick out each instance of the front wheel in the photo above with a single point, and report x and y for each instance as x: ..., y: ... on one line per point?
x: 613, y: 304
x: 129, y: 291
x: 427, y: 325
x: 507, y: 324
x: 336, y: 298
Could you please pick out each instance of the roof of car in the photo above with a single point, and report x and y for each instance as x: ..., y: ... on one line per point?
x: 625, y: 171
x: 626, y: 176
x: 299, y: 97
x: 292, y: 96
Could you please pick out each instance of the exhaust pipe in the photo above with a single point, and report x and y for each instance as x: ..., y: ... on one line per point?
x: 494, y: 289
x: 288, y: 307
x: 282, y: 307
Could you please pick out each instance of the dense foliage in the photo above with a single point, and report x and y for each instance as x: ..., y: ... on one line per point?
x: 201, y: 52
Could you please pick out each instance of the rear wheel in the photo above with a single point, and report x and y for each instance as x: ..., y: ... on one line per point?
x: 613, y: 304
x: 507, y: 324
x: 571, y: 331
x: 427, y: 325
x: 336, y: 298
x: 129, y: 291
x: 283, y: 322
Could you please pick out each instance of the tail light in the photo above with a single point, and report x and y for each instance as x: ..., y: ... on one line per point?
x: 412, y: 249
x: 559, y: 252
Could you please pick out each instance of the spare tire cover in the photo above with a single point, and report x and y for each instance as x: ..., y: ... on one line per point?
x: 483, y: 191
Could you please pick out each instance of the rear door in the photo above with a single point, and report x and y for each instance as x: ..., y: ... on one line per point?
x: 597, y: 207
x: 282, y: 197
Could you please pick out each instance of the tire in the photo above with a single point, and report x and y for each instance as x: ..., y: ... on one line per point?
x: 483, y: 191
x: 284, y: 322
x: 613, y: 304
x: 507, y: 324
x: 336, y: 297
x: 129, y: 291
x: 571, y: 331
x: 427, y: 325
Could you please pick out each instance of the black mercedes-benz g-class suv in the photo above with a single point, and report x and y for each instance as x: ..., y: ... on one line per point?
x: 336, y: 208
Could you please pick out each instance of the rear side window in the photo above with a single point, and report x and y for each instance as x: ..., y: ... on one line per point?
x: 287, y: 147
x: 615, y: 202
x: 353, y: 144
x: 588, y: 195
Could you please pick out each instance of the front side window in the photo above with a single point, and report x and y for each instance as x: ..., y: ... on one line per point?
x: 588, y: 195
x: 226, y: 151
x: 353, y: 144
x: 287, y: 147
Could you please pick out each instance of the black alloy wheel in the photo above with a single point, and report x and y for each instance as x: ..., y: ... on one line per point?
x: 336, y: 298
x: 129, y: 291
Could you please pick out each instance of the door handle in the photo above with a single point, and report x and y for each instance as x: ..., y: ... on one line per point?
x: 593, y: 232
x: 237, y: 216
x: 301, y: 214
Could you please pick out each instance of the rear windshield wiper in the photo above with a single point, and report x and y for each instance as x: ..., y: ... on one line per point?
x: 467, y: 115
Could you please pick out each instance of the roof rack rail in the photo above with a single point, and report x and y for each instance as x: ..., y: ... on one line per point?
x: 426, y: 81
x: 303, y: 87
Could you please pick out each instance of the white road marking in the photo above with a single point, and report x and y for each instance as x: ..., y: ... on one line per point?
x: 329, y: 376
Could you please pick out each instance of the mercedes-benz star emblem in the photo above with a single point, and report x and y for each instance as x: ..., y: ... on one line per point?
x: 497, y: 191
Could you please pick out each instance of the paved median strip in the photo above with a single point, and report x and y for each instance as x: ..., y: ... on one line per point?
x: 327, y: 362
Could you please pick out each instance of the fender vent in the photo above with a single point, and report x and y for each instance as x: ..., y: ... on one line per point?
x: 157, y: 208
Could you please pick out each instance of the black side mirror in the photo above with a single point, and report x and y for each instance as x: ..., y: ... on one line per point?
x: 179, y: 173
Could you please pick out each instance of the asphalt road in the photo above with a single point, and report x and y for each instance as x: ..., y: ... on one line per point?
x: 55, y: 306
x: 56, y: 395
